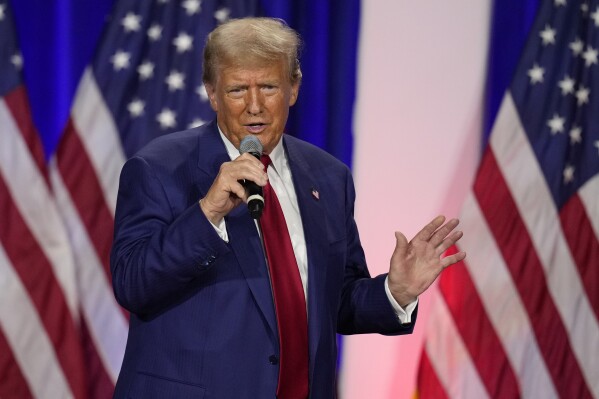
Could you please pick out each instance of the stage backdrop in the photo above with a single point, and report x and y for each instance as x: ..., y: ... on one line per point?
x: 418, y: 125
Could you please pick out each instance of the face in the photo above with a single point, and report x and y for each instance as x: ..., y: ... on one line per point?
x: 253, y: 100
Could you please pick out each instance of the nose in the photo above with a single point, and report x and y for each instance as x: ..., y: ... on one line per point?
x: 255, y: 102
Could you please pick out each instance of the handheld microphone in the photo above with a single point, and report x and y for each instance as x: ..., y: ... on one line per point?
x: 250, y: 144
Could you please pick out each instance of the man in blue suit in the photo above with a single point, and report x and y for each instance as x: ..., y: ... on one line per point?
x: 189, y: 263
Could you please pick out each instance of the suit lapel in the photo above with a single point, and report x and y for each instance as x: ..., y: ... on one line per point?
x: 314, y: 224
x: 243, y: 235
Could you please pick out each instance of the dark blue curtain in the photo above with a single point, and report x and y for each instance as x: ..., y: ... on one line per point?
x: 58, y: 39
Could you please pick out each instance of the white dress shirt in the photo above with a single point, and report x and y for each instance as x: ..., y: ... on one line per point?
x: 279, y: 176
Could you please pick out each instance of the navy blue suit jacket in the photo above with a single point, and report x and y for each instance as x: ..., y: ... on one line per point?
x: 203, y: 323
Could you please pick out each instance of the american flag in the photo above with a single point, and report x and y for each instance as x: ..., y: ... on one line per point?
x: 62, y: 333
x: 519, y: 317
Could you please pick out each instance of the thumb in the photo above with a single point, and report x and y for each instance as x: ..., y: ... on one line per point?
x: 401, y: 245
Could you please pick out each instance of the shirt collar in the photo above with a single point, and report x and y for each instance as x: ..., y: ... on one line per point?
x: 277, y: 155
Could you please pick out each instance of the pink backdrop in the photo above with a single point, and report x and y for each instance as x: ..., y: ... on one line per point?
x: 420, y: 93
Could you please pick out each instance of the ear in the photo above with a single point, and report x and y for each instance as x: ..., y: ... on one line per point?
x: 294, y: 93
x: 211, y: 91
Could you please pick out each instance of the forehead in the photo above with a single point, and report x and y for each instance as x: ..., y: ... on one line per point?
x: 258, y: 70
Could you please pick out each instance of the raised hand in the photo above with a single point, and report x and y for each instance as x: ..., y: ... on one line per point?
x: 416, y: 264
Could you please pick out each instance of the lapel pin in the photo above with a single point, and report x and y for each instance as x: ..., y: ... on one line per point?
x: 315, y: 194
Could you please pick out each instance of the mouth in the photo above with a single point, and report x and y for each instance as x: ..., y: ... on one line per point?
x: 255, y: 127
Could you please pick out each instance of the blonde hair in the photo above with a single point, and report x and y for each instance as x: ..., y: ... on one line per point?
x: 249, y: 42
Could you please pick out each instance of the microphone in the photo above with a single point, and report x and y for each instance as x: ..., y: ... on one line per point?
x: 253, y: 146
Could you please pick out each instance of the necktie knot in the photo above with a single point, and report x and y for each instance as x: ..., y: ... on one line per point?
x: 265, y: 161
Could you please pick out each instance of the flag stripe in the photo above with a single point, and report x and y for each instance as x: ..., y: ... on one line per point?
x: 512, y: 238
x: 428, y: 383
x: 588, y: 196
x: 103, y: 383
x: 584, y: 247
x: 98, y: 134
x: 82, y: 184
x: 27, y: 336
x: 35, y: 272
x: 16, y: 102
x: 13, y: 382
x: 477, y: 332
x: 34, y: 198
x: 106, y: 320
x: 502, y: 303
x: 537, y: 211
x: 450, y: 358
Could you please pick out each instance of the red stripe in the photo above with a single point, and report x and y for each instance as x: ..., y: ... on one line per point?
x: 477, y: 332
x: 37, y: 276
x: 82, y: 183
x: 100, y: 385
x: 584, y: 247
x: 12, y: 382
x: 17, y: 103
x: 428, y: 384
x: 526, y: 269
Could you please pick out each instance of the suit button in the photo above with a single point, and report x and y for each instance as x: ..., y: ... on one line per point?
x: 273, y: 359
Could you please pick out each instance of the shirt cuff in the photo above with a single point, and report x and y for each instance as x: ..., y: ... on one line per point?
x: 404, y: 315
x: 221, y: 230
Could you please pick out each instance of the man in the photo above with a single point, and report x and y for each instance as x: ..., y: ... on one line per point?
x: 202, y: 279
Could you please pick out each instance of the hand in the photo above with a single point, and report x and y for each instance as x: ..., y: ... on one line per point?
x: 226, y: 191
x: 416, y: 264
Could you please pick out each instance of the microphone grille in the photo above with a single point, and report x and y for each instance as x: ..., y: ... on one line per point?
x: 250, y: 144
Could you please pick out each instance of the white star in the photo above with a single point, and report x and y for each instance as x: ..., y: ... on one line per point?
x: 2, y: 6
x: 590, y: 56
x: 584, y: 7
x: 575, y: 135
x: 567, y: 85
x: 556, y: 124
x: 548, y: 35
x: 155, y: 32
x: 17, y: 61
x: 222, y: 14
x: 576, y: 46
x: 191, y: 6
x: 183, y: 42
x: 145, y: 70
x: 175, y: 80
x: 201, y: 91
x: 568, y: 173
x: 136, y: 107
x: 195, y: 123
x: 595, y: 16
x: 560, y: 2
x: 120, y: 60
x: 166, y: 118
x: 597, y: 146
x: 536, y: 74
x: 582, y: 95
x: 131, y: 22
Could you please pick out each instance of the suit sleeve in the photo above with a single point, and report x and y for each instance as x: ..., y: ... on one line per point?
x: 364, y: 306
x: 157, y: 254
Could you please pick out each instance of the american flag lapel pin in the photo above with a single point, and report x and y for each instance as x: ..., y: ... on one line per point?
x: 315, y: 194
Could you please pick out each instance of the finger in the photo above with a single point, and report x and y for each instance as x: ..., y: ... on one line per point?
x: 428, y: 230
x: 448, y: 242
x: 453, y: 259
x: 440, y: 235
x: 244, y: 169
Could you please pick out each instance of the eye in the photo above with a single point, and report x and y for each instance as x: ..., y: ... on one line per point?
x: 236, y: 92
x: 269, y: 89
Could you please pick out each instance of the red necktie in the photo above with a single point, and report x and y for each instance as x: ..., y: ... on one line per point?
x: 290, y: 301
